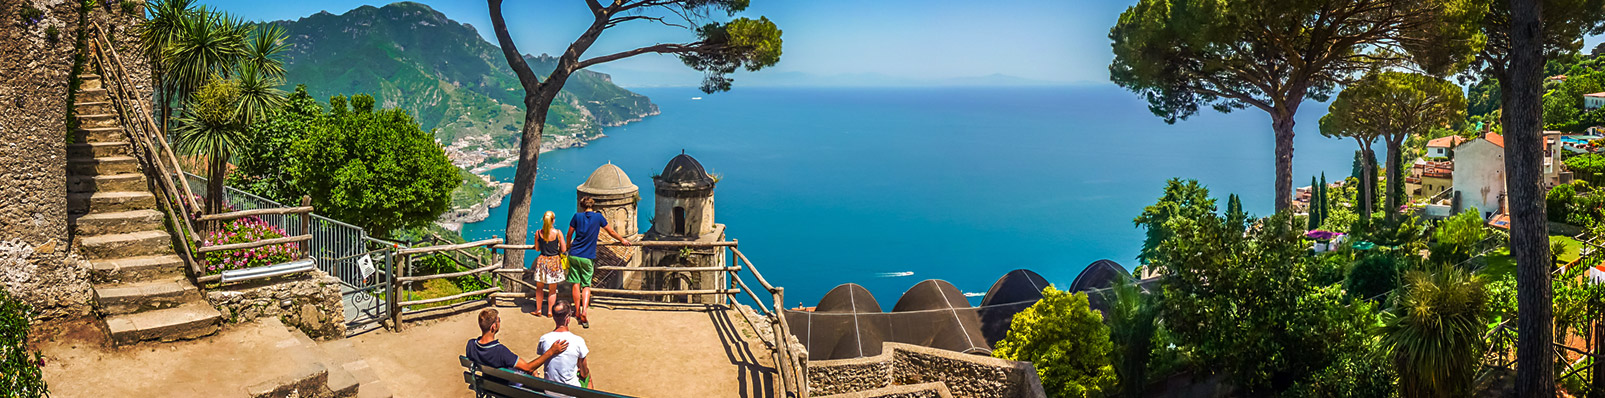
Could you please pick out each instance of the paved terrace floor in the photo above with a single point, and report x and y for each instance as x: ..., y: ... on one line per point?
x: 645, y: 353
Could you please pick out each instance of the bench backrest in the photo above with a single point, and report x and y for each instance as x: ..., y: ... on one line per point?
x: 484, y: 380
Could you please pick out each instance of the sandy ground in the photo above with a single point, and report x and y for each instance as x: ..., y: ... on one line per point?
x: 645, y: 353
x: 78, y: 364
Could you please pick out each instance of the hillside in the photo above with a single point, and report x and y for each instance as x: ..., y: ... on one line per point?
x: 410, y: 56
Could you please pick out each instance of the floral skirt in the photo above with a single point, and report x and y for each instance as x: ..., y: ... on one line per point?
x: 549, y: 270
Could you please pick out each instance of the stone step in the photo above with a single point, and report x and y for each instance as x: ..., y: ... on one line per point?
x: 191, y: 320
x: 121, y: 222
x: 102, y: 166
x: 132, y: 297
x: 135, y: 269
x: 96, y: 120
x: 89, y: 81
x: 98, y: 149
x: 93, y: 107
x: 128, y: 182
x: 93, y: 94
x: 349, y: 374
x: 99, y: 134
x: 144, y: 243
x: 109, y: 202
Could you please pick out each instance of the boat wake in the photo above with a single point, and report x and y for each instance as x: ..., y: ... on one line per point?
x: 894, y: 274
x: 974, y: 294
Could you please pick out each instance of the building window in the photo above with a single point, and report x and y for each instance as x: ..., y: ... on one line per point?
x: 679, y: 220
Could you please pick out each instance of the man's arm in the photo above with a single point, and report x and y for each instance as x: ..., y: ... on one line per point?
x: 529, y: 366
x: 615, y: 235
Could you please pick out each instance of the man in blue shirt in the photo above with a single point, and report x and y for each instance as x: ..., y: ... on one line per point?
x: 487, y: 351
x: 583, y: 231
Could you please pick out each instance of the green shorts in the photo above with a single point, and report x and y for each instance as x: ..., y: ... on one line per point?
x: 580, y: 270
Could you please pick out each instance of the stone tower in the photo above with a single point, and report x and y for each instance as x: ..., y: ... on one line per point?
x: 683, y: 211
x: 617, y: 199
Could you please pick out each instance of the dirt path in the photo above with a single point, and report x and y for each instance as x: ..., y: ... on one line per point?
x: 78, y: 363
x: 633, y: 352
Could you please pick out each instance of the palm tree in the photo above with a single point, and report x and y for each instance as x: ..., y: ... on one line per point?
x: 210, y: 127
x: 1132, y: 318
x: 1433, y: 332
x: 262, y: 50
x: 156, y: 33
x: 208, y: 46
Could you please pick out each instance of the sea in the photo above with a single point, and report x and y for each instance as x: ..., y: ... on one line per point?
x: 886, y: 187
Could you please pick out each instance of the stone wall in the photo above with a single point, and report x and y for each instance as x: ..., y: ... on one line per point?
x: 899, y: 364
x: 923, y: 390
x: 308, y: 301
x: 35, y: 261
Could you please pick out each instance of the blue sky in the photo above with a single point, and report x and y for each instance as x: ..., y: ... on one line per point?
x: 1060, y: 41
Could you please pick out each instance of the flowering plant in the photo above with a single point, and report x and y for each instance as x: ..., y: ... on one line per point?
x: 246, y: 230
x: 1322, y: 235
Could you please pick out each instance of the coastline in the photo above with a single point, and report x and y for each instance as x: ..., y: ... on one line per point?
x: 455, y: 218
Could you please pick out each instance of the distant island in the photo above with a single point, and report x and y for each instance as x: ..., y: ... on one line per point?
x: 461, y: 89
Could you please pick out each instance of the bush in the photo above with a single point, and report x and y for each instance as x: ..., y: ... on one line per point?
x: 245, y: 230
x: 1066, y: 341
x: 1374, y: 274
x: 1558, y: 201
x: 19, y: 367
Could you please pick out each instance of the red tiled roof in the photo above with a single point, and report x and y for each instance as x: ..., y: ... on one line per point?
x: 1595, y: 95
x: 1497, y: 139
x: 1445, y: 142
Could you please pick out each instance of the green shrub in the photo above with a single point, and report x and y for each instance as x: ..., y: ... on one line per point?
x: 1066, y: 341
x: 19, y: 367
x: 1374, y: 274
x: 1558, y: 201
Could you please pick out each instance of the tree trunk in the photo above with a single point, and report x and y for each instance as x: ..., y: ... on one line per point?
x: 1529, y: 242
x: 1362, y: 192
x: 214, y: 185
x: 529, y: 153
x: 1283, y: 126
x: 1394, y: 179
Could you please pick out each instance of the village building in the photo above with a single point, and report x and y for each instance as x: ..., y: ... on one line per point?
x: 1442, y: 147
x: 1594, y: 100
x: 1479, y: 173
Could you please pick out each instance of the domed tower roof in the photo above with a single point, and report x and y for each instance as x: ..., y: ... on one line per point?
x: 684, y: 172
x: 1100, y: 274
x: 931, y: 294
x: 849, y: 298
x: 608, y: 180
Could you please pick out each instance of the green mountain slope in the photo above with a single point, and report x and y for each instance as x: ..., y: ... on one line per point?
x: 410, y: 56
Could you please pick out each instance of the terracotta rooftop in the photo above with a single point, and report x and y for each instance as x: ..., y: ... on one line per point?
x: 1595, y: 95
x: 1496, y: 139
x: 1446, y: 142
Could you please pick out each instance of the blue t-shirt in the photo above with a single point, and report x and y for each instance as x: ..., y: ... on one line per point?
x: 587, y: 226
x: 494, y: 355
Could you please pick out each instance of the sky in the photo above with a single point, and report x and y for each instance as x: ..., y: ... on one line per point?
x: 1035, y: 41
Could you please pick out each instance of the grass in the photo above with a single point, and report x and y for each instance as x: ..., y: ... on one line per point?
x: 436, y: 288
x: 1501, y: 265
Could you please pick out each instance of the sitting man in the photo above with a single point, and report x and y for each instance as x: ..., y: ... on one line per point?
x: 567, y: 367
x: 487, y: 351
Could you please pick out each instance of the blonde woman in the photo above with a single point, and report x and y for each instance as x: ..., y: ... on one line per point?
x: 548, y: 268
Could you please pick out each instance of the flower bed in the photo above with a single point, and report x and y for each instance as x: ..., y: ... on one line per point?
x: 245, y: 230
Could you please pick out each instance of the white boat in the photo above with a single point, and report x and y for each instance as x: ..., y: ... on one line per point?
x: 695, y: 98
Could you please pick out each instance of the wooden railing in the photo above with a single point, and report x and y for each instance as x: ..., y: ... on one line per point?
x: 768, y: 301
x: 158, y: 160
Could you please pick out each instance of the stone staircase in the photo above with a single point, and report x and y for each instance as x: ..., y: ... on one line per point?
x: 141, y: 290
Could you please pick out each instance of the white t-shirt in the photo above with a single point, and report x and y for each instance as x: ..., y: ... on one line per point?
x: 565, y: 367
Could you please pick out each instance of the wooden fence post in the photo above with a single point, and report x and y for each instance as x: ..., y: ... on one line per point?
x: 306, y: 226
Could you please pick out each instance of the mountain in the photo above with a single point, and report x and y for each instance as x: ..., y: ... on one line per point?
x: 409, y: 56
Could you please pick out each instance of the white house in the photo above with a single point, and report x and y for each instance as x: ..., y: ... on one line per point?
x: 1479, y: 171
x: 1479, y: 175
x: 1594, y: 101
x: 1439, y: 147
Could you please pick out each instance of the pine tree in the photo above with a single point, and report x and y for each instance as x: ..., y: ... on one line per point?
x: 1326, y: 207
x: 1314, y: 208
x: 1234, y: 211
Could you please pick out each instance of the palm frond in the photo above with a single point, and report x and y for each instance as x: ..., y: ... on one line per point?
x: 262, y: 51
x: 209, y: 46
x: 259, y: 94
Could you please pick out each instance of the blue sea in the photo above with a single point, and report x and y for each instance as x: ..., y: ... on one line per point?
x: 886, y: 187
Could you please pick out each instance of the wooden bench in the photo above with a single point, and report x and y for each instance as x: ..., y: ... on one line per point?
x: 488, y: 382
